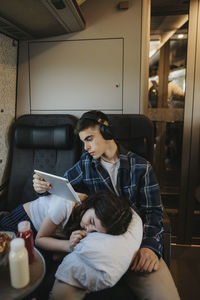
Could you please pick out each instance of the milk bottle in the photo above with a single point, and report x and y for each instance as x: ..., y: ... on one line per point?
x: 18, y: 264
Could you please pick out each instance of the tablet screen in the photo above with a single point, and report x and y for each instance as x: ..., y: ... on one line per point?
x: 60, y: 186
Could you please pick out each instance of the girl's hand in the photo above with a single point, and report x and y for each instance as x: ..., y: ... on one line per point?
x: 40, y: 185
x: 82, y: 196
x: 75, y: 238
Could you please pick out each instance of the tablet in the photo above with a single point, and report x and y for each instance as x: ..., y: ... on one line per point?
x: 60, y: 186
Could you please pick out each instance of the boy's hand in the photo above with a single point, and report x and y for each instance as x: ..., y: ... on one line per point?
x: 145, y: 261
x: 75, y: 238
x: 40, y: 185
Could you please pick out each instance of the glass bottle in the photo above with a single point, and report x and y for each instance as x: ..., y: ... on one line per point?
x: 25, y: 232
x: 18, y: 264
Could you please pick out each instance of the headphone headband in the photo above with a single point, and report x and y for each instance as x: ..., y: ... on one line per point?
x: 104, y: 122
x: 105, y: 127
x: 91, y: 116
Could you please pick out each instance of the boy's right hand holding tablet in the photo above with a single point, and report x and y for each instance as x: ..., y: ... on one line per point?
x: 40, y: 185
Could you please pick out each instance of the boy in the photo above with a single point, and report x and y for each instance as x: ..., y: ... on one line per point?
x: 105, y: 165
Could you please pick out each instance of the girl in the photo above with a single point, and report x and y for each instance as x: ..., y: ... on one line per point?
x: 49, y: 215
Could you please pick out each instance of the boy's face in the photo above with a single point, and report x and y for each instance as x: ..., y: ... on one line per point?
x: 93, y: 141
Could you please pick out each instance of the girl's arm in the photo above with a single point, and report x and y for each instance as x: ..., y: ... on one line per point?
x: 45, y: 241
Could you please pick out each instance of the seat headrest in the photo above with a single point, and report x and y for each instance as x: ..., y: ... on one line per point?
x: 48, y: 137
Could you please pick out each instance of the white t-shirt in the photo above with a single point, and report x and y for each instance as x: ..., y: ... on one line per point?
x: 112, y: 169
x: 58, y: 209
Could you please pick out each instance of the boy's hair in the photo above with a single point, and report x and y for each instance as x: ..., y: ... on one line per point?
x: 93, y: 118
x: 113, y: 212
x: 90, y: 119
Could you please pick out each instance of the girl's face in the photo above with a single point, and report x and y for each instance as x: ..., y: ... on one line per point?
x: 91, y: 223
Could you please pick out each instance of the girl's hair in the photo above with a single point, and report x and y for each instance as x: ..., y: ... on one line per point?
x: 113, y: 212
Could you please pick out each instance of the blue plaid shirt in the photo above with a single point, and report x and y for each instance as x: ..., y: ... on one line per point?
x: 135, y: 181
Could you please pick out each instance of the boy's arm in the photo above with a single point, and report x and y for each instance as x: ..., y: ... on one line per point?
x: 151, y: 212
x: 75, y: 177
x: 147, y: 258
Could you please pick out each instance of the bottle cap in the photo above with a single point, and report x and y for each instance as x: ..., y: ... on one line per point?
x: 17, y: 244
x: 24, y: 226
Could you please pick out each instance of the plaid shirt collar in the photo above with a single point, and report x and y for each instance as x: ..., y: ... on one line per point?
x: 123, y: 157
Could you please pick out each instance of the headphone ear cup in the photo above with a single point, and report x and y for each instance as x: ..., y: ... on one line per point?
x: 106, y: 132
